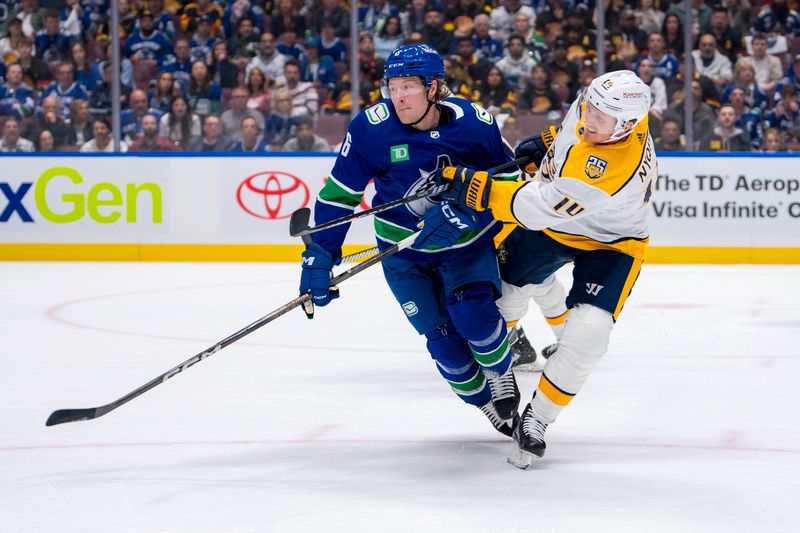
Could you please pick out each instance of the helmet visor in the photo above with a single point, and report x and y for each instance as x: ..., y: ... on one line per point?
x: 400, y: 87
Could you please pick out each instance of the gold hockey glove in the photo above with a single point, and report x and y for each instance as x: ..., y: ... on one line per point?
x: 467, y: 186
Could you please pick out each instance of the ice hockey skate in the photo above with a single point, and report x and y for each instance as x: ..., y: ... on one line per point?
x: 525, y: 358
x: 505, y: 393
x: 506, y: 427
x: 528, y: 439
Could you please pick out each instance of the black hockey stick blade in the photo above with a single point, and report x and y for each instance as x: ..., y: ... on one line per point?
x: 298, y: 224
x: 62, y: 416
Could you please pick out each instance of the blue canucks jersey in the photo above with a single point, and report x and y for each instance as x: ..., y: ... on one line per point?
x: 16, y: 102
x: 401, y: 160
x: 262, y: 145
x: 488, y: 48
x: 665, y: 68
x: 201, y: 50
x: 155, y: 46
x: 65, y: 96
x: 131, y: 123
x: 181, y: 71
x: 768, y: 21
x: 751, y: 122
x: 52, y: 48
x: 164, y: 23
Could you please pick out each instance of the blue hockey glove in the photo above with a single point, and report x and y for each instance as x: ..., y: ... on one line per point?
x: 316, y: 278
x: 466, y: 186
x: 535, y: 148
x: 443, y: 224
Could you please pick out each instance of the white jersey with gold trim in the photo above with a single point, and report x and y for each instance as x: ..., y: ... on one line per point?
x: 588, y: 195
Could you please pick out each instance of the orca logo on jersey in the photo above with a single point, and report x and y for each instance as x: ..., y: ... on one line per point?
x: 418, y: 207
x: 272, y: 195
x: 595, y: 167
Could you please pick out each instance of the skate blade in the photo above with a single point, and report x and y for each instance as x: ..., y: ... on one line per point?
x: 520, y: 458
x: 533, y: 366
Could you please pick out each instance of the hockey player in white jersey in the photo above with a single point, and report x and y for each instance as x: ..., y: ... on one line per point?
x: 587, y: 204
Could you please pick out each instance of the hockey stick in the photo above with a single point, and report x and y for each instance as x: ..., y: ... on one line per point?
x: 300, y: 218
x: 360, y: 255
x: 74, y: 415
x: 298, y: 224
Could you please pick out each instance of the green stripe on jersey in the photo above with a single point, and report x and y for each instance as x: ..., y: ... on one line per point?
x: 466, y: 237
x: 393, y: 233
x: 334, y: 193
x: 471, y: 386
x: 493, y: 357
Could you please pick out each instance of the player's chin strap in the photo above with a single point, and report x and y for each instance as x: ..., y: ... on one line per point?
x: 621, y: 133
x: 425, y: 114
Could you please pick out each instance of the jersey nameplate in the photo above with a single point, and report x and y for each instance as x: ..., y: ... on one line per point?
x: 377, y: 113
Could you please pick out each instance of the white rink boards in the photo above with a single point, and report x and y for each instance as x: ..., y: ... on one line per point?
x: 163, y: 207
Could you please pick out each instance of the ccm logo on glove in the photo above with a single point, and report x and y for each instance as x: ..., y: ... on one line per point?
x: 451, y: 216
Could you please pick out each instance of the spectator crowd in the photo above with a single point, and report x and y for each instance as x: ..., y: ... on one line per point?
x: 274, y: 75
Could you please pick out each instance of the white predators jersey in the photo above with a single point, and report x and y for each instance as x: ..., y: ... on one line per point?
x: 586, y: 195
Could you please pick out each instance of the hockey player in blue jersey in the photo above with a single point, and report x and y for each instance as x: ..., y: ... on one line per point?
x: 447, y: 282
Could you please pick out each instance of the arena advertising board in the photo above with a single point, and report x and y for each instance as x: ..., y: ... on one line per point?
x: 726, y: 209
x: 704, y: 209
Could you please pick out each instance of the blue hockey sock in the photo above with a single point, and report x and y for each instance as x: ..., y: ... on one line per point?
x: 493, y: 353
x: 477, y: 318
x: 457, y: 366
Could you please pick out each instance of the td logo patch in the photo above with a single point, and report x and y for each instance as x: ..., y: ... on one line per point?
x: 399, y: 153
x: 595, y: 167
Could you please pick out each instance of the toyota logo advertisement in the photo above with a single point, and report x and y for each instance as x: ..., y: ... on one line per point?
x: 272, y: 195
x: 263, y: 197
x: 275, y: 195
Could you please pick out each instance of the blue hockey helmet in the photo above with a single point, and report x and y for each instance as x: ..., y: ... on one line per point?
x: 414, y: 60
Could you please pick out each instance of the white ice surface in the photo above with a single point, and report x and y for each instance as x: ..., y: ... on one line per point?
x: 690, y: 423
